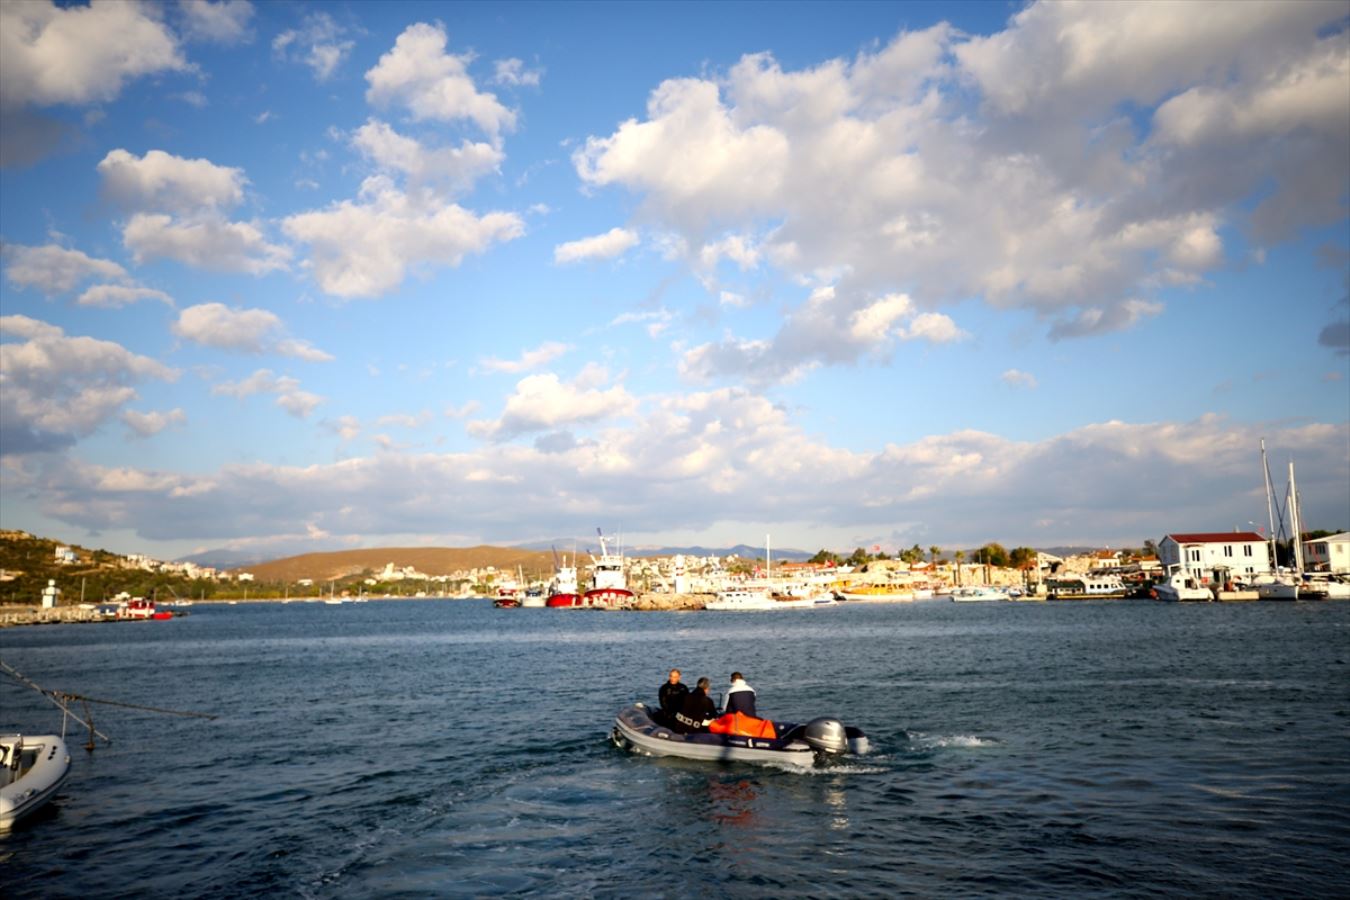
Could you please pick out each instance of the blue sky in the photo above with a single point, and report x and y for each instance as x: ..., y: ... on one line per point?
x: 286, y: 277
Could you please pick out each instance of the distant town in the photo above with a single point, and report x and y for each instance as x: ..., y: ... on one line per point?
x: 39, y: 573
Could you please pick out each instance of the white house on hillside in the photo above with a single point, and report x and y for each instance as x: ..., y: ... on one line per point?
x: 1328, y: 554
x: 1244, y: 553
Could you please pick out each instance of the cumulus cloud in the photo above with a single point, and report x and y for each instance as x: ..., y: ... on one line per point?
x: 212, y: 244
x: 547, y: 403
x: 59, y: 389
x: 115, y: 296
x: 179, y: 211
x: 452, y: 169
x: 320, y: 43
x: 431, y: 84
x: 79, y: 54
x: 513, y: 72
x: 162, y: 181
x: 835, y: 326
x: 289, y: 396
x: 864, y: 167
x: 364, y: 249
x: 612, y: 243
x: 542, y: 355
x: 149, y: 424
x: 729, y: 456
x: 1018, y: 379
x: 53, y: 269
x: 253, y: 331
x: 225, y: 22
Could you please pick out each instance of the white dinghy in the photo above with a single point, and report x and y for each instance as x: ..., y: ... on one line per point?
x: 34, y: 767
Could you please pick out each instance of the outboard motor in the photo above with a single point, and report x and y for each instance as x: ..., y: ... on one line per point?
x: 826, y: 735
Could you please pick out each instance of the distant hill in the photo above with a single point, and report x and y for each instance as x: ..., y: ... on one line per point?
x: 224, y: 559
x: 428, y: 560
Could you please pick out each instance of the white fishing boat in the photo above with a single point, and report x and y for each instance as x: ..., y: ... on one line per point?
x: 978, y: 593
x: 1181, y: 586
x: 33, y: 769
x: 742, y: 600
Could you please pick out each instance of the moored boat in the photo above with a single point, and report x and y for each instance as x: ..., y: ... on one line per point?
x: 32, y: 769
x: 1180, y: 586
x: 876, y: 593
x: 636, y: 730
x: 977, y: 593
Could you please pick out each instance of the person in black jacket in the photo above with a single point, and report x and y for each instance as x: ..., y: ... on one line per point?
x: 672, y: 694
x: 698, y: 710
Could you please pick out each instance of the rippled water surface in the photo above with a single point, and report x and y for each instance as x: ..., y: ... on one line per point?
x: 446, y: 748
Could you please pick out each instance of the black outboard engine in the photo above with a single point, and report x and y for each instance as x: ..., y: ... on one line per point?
x: 826, y: 735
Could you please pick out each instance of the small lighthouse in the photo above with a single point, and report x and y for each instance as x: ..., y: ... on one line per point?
x: 51, y: 595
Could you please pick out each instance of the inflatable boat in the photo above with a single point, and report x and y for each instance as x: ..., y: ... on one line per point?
x: 640, y: 730
x: 31, y: 770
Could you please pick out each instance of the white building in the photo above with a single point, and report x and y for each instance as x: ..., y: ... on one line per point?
x: 1243, y: 553
x: 1328, y: 554
x: 51, y: 595
x: 65, y: 556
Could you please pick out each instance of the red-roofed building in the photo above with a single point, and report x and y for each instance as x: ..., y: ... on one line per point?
x: 1243, y: 553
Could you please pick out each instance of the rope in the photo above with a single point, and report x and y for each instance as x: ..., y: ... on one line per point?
x: 154, y: 709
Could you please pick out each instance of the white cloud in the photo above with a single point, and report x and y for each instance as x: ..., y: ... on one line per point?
x: 1019, y: 379
x: 152, y: 423
x: 513, y: 72
x: 55, y: 270
x: 290, y: 398
x: 612, y: 243
x: 434, y: 85
x: 209, y: 243
x: 546, y: 403
x: 542, y: 355
x: 217, y: 325
x: 733, y: 458
x: 114, y: 296
x: 859, y: 172
x: 164, y: 182
x: 452, y: 168
x: 365, y: 249
x: 835, y: 326
x: 253, y: 331
x: 58, y: 389
x: 319, y: 43
x: 693, y: 157
x: 225, y: 22
x: 79, y: 54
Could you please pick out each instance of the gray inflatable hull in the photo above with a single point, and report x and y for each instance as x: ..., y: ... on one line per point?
x: 635, y: 730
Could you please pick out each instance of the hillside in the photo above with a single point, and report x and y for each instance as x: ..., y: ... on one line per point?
x: 428, y: 560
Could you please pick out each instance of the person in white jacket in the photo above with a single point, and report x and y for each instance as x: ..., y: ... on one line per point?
x: 740, y: 696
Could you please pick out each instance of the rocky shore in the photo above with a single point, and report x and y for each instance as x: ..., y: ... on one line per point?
x: 671, y: 602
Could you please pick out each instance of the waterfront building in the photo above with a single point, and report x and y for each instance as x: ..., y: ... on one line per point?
x: 1243, y: 553
x: 1328, y: 554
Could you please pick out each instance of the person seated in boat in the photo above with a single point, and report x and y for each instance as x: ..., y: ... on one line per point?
x: 697, y: 710
x: 740, y: 696
x: 672, y: 693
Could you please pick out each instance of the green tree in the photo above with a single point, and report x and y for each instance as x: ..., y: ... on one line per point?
x: 858, y: 557
x: 933, y: 553
x: 993, y: 554
x: 1023, y: 557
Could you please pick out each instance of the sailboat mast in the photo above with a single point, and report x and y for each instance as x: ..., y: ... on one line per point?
x: 1294, y: 520
x: 768, y: 560
x: 1270, y: 507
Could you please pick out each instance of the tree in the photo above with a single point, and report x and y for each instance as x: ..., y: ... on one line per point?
x: 1023, y: 558
x: 858, y: 557
x: 933, y: 553
x: 1150, y: 548
x: 960, y: 555
x: 993, y: 554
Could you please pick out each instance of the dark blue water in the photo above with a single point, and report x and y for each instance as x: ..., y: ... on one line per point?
x: 445, y: 748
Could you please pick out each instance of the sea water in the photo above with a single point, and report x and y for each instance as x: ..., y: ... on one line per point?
x: 446, y: 748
